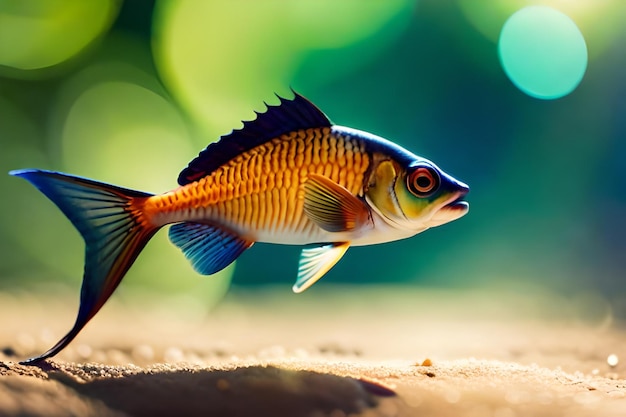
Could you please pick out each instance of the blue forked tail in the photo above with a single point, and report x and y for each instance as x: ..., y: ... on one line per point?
x: 114, y: 228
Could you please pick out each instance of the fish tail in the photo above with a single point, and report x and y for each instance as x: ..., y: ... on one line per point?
x: 115, y: 229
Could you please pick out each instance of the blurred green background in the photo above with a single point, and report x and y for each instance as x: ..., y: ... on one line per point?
x: 129, y: 92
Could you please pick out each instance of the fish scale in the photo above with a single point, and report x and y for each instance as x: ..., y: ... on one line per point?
x: 261, y: 192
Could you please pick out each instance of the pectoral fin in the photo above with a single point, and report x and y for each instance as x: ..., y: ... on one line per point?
x: 332, y: 207
x: 316, y: 261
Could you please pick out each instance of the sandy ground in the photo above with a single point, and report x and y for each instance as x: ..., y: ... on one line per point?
x: 334, y: 351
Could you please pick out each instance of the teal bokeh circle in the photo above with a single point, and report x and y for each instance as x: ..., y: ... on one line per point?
x: 542, y: 52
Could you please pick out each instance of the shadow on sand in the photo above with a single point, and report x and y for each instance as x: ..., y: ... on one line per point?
x: 249, y: 391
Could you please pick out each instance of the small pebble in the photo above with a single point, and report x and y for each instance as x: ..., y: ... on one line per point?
x: 427, y: 362
x: 612, y: 360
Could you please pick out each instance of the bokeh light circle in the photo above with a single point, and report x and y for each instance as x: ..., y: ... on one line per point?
x: 118, y: 131
x: 219, y: 62
x: 37, y: 34
x: 542, y: 52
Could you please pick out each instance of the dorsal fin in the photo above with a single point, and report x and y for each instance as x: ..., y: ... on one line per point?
x: 290, y: 115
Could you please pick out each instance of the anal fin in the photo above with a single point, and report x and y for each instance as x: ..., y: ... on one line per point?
x: 316, y: 261
x: 209, y: 248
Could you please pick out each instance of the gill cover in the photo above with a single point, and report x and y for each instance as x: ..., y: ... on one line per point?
x: 381, y: 192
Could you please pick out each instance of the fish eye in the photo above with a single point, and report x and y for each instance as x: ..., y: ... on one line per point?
x: 423, y: 181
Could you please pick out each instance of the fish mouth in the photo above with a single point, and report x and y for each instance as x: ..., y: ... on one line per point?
x: 457, y: 205
x: 451, y: 211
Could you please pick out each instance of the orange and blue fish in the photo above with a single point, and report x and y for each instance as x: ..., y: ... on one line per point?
x: 288, y: 177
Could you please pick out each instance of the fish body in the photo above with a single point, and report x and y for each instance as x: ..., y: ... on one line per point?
x: 260, y: 195
x: 288, y: 177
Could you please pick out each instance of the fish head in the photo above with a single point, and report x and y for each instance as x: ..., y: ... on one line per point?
x: 416, y: 196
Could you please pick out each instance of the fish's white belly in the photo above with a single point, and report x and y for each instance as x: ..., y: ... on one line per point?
x: 379, y: 232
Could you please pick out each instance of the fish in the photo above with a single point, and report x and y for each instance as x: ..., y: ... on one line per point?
x: 290, y: 176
